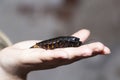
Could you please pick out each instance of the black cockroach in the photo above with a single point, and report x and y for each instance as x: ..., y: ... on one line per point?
x: 59, y: 42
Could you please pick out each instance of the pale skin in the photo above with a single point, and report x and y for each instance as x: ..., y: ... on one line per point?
x: 18, y: 60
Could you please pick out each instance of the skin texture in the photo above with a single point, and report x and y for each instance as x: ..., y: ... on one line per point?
x: 18, y: 60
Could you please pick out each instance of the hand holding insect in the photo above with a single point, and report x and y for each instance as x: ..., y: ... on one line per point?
x: 18, y: 60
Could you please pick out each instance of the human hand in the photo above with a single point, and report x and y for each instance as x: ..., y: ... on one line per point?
x: 18, y: 60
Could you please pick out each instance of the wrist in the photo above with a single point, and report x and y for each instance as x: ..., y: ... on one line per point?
x: 4, y: 75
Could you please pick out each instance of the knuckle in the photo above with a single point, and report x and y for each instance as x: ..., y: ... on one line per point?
x: 86, y: 51
x: 99, y: 46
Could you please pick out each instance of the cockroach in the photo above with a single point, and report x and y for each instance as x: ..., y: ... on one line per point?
x: 59, y: 42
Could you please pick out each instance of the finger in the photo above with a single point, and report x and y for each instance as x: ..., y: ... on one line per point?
x: 82, y: 34
x: 25, y: 44
x: 99, y: 48
x: 86, y: 50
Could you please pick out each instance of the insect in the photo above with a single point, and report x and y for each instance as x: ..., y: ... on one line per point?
x: 59, y: 42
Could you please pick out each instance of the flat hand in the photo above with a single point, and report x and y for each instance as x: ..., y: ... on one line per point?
x: 20, y: 59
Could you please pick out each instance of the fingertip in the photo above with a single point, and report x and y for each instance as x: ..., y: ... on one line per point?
x: 81, y: 31
x: 107, y: 50
x: 82, y: 34
x: 85, y: 30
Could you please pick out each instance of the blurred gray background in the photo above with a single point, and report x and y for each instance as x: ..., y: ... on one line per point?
x: 42, y: 19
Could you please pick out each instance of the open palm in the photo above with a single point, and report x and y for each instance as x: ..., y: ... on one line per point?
x: 19, y: 59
